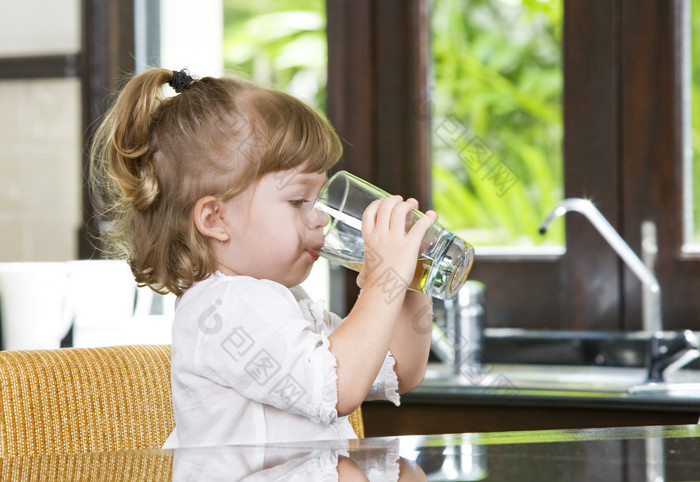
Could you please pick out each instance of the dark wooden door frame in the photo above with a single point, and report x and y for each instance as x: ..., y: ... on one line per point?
x: 108, y: 56
x: 377, y: 75
x: 652, y: 158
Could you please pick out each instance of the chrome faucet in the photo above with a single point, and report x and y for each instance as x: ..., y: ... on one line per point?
x: 667, y: 354
x: 651, y: 295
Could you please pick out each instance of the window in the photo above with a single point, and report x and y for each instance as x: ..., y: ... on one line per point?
x: 622, y: 148
x: 496, y: 124
x: 280, y: 44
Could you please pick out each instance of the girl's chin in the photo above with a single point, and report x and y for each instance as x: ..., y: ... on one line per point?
x: 293, y: 281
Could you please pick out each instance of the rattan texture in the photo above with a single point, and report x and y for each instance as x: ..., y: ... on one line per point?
x: 79, y: 400
x: 131, y: 466
x: 83, y: 400
x: 358, y: 424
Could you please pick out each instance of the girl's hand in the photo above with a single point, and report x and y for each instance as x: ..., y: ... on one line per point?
x: 391, y: 252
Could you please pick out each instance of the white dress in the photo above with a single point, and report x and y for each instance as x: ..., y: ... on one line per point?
x: 251, y: 364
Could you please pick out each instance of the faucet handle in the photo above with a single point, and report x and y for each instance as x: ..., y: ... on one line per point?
x: 665, y: 353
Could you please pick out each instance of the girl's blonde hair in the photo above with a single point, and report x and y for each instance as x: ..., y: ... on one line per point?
x: 153, y: 157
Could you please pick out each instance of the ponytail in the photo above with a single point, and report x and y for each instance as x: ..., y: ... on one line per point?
x: 123, y: 140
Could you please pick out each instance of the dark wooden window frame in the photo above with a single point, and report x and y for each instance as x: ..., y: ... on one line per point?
x: 622, y: 149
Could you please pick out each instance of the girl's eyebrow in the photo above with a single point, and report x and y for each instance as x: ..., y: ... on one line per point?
x: 302, y: 179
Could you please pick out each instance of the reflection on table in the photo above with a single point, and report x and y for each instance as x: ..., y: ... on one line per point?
x: 655, y: 453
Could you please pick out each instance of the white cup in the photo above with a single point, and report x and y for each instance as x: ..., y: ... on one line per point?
x: 37, y: 304
x: 105, y: 290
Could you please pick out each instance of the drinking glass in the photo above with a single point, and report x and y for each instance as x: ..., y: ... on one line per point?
x: 444, y: 260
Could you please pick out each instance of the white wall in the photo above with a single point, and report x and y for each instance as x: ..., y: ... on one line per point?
x: 39, y: 27
x: 40, y: 150
x: 40, y: 141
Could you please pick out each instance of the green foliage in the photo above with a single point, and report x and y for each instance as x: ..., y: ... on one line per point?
x: 497, y: 75
x: 279, y: 43
x: 694, y: 230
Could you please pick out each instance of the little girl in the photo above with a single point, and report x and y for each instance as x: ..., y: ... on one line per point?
x: 209, y: 193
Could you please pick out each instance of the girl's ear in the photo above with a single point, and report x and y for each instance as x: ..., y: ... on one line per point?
x: 208, y: 221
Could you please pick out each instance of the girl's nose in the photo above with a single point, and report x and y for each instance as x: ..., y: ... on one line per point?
x: 316, y: 219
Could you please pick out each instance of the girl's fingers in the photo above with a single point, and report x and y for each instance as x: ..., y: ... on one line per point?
x: 394, y: 213
x: 401, y: 216
x: 360, y: 280
x: 421, y: 226
x: 369, y: 217
x: 386, y: 208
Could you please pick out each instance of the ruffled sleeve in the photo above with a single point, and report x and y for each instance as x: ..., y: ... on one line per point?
x: 382, y: 462
x: 386, y: 384
x: 317, y: 466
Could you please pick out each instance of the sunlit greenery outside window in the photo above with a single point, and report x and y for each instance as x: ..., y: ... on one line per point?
x: 278, y: 43
x: 692, y: 166
x: 496, y: 94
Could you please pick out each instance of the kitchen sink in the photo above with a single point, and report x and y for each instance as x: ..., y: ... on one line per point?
x: 543, y: 347
x: 520, y: 361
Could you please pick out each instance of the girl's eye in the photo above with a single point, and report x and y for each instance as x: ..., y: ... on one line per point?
x: 297, y: 203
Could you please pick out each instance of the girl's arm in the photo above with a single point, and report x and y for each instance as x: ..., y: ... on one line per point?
x: 410, y: 344
x: 361, y: 343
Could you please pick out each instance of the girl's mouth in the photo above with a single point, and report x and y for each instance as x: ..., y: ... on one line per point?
x: 313, y: 254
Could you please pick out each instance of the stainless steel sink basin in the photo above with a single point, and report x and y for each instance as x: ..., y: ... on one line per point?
x: 541, y: 377
x: 544, y: 347
x: 676, y: 389
x: 600, y: 363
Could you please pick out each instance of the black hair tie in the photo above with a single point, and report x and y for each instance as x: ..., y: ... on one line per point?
x: 180, y: 80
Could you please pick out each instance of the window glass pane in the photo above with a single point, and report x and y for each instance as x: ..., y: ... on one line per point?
x: 495, y: 95
x: 692, y: 140
x: 190, y: 35
x: 279, y: 43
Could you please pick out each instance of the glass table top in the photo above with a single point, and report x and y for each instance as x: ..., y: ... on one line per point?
x: 655, y: 454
